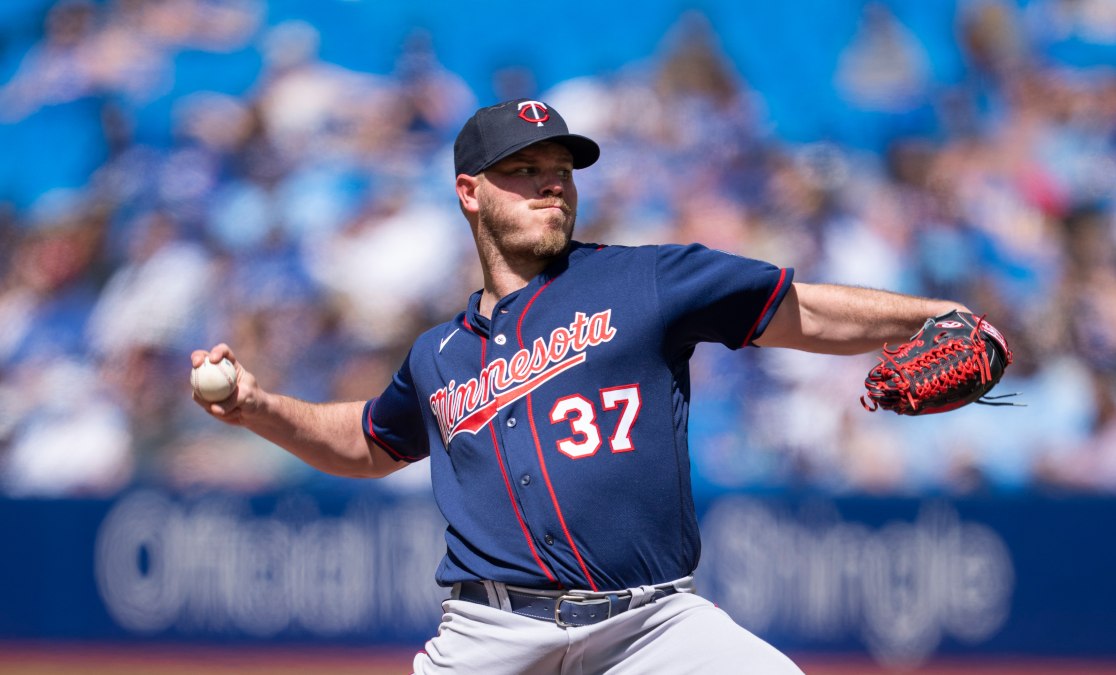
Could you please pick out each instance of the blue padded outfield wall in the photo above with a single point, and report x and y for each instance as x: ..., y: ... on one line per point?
x: 904, y: 579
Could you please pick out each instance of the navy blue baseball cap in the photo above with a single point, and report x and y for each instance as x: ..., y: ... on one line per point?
x: 498, y: 131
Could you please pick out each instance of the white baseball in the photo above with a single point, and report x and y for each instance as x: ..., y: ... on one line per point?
x: 214, y: 381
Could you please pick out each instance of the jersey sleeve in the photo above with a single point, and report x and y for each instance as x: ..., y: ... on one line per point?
x: 394, y: 419
x: 707, y: 295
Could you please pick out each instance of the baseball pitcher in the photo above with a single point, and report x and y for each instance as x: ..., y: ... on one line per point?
x: 553, y: 412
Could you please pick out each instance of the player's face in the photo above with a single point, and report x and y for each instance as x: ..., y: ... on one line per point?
x: 528, y: 202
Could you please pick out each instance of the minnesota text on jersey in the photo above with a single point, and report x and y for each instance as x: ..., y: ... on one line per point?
x: 468, y: 407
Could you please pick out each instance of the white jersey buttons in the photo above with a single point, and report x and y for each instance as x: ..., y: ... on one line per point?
x: 511, y: 422
x: 500, y: 339
x: 525, y: 480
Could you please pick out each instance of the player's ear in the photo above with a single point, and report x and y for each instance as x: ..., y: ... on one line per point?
x: 467, y: 192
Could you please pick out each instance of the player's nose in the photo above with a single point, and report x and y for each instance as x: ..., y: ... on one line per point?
x: 551, y: 183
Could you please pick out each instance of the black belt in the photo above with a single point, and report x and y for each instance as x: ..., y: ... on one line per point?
x: 564, y: 609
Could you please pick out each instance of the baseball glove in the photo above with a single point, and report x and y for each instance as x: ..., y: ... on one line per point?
x: 954, y: 360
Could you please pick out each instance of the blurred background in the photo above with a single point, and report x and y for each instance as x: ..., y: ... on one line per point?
x: 278, y: 176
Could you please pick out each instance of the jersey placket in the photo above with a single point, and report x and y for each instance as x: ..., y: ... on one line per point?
x: 566, y: 543
x: 518, y: 443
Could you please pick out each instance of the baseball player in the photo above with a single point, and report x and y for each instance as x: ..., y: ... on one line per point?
x: 553, y: 411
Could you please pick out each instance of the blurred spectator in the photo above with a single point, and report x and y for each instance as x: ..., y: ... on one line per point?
x: 1089, y: 463
x: 64, y: 434
x: 884, y: 68
x: 58, y: 69
x: 179, y: 172
x: 156, y: 297
x: 51, y: 283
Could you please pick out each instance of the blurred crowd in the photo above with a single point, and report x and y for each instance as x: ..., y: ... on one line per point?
x: 211, y: 178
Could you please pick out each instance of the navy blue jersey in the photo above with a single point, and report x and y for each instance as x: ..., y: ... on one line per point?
x: 557, y: 430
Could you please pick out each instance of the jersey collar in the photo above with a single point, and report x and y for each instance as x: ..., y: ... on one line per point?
x: 473, y: 321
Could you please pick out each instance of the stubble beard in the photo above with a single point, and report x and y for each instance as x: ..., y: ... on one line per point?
x: 508, y: 237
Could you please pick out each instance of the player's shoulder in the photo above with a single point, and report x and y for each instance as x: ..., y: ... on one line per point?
x: 664, y: 255
x: 658, y: 260
x: 437, y: 336
x: 639, y: 250
x: 612, y: 253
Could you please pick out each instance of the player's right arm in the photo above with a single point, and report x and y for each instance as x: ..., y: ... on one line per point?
x: 327, y: 436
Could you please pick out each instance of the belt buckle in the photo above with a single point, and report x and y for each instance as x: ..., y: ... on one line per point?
x: 580, y: 600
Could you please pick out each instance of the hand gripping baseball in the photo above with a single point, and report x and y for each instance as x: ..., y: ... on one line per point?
x: 954, y: 360
x: 226, y: 404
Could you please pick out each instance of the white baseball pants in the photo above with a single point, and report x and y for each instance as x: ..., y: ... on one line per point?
x: 677, y: 634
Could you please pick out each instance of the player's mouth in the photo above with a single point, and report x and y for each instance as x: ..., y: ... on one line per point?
x: 561, y: 206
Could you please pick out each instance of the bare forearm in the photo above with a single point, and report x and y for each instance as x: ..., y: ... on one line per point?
x: 836, y: 319
x: 327, y: 436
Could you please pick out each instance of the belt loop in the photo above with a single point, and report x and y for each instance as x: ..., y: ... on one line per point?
x: 641, y: 596
x: 498, y: 595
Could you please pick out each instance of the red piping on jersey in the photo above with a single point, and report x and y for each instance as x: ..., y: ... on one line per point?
x: 511, y: 494
x: 770, y: 301
x: 380, y: 442
x: 538, y: 447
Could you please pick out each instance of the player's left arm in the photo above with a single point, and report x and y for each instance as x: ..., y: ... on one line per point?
x: 835, y: 319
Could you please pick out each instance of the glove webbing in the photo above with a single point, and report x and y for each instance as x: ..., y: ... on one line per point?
x: 949, y: 366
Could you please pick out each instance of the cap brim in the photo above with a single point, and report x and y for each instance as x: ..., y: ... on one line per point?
x: 585, y: 150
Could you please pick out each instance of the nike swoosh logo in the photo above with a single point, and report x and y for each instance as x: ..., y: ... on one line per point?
x: 442, y: 344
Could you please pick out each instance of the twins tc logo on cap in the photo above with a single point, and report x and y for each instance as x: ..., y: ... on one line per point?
x: 534, y: 111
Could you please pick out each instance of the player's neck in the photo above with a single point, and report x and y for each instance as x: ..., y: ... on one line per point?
x: 498, y: 284
x: 506, y: 271
x: 502, y: 277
